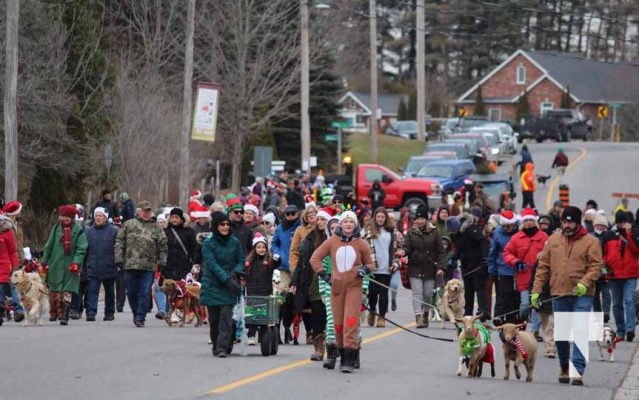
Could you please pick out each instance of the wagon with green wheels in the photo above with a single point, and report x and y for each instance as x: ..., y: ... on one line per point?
x: 263, y: 312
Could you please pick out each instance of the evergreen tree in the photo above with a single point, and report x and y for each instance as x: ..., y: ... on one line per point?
x: 523, y: 107
x: 401, y: 110
x: 565, y: 99
x: 411, y: 112
x: 480, y: 109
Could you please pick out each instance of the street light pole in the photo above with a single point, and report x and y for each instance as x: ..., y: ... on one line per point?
x: 421, y: 71
x: 185, y: 137
x: 10, y: 107
x: 373, y: 50
x: 306, y: 123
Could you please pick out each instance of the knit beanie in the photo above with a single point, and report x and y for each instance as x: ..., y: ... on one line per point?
x: 572, y: 214
x: 453, y: 224
x: 232, y: 203
x: 217, y: 218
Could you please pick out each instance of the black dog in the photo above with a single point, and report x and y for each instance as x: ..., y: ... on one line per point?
x: 541, y: 179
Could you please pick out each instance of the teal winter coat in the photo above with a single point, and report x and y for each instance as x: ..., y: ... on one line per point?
x: 58, y: 277
x: 222, y: 257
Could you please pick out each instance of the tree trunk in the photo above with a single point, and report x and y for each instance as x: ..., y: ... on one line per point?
x: 10, y: 107
x: 236, y: 160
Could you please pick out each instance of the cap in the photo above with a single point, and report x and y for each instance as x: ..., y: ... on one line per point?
x: 291, y: 208
x: 145, y: 206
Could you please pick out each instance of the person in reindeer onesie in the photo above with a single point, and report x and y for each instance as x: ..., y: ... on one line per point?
x: 351, y: 262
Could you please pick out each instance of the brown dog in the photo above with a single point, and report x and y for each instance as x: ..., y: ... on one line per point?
x: 513, y: 350
x: 184, y: 297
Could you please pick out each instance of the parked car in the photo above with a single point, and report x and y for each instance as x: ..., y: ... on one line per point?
x: 507, y: 134
x: 416, y: 163
x: 473, y: 144
x: 565, y: 124
x: 453, y: 125
x: 403, y: 129
x: 503, y: 141
x: 495, y: 185
x: 449, y: 173
x: 461, y: 149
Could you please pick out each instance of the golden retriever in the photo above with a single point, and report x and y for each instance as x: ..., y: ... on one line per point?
x: 451, y: 303
x: 34, y: 296
x: 183, y: 297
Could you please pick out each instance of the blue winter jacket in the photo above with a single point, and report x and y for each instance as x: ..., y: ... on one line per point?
x: 282, y: 243
x: 496, y: 263
x: 101, y: 254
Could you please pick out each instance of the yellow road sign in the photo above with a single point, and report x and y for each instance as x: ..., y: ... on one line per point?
x: 462, y: 112
x: 602, y: 112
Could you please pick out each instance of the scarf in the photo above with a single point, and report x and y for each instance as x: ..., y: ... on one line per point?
x: 65, y: 239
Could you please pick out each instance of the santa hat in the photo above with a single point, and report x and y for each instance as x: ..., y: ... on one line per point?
x: 200, y: 212
x: 323, y: 214
x: 329, y: 210
x: 12, y: 208
x: 196, y: 194
x: 529, y: 213
x: 507, y: 217
x: 258, y: 238
x: 252, y: 208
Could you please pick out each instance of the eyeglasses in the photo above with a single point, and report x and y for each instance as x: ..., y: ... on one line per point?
x: 238, y: 211
x: 311, y: 214
x: 225, y: 224
x: 290, y: 214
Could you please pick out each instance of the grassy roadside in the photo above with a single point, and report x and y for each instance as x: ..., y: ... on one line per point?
x: 392, y: 152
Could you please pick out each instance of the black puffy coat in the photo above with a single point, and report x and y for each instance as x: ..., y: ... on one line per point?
x: 178, y: 263
x: 259, y: 275
x: 472, y: 248
x: 244, y: 234
x: 424, y: 251
x: 304, y: 278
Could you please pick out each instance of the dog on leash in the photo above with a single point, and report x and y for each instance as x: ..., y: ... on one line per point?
x: 451, y: 303
x: 183, y: 297
x: 542, y: 179
x: 609, y: 343
x: 34, y: 296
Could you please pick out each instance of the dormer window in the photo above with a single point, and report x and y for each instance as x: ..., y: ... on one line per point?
x: 521, y: 75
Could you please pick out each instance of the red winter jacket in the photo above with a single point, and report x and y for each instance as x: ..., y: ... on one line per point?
x: 620, y: 257
x: 525, y: 249
x: 8, y: 254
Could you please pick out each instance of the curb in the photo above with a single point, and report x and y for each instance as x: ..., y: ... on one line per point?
x: 629, y: 389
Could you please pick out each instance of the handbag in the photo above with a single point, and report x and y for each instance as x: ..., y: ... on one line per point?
x: 177, y: 237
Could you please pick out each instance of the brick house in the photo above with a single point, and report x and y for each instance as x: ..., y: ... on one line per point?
x: 356, y: 108
x: 545, y: 76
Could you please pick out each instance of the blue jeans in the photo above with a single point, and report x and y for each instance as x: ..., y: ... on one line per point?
x: 394, y: 284
x: 525, y: 310
x: 3, y: 288
x: 15, y: 297
x: 138, y: 291
x: 94, y: 291
x: 623, y: 304
x: 160, y: 299
x: 571, y: 304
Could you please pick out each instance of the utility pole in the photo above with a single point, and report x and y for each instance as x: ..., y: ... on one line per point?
x: 373, y: 49
x: 306, y: 122
x: 10, y: 108
x: 187, y: 106
x: 421, y: 71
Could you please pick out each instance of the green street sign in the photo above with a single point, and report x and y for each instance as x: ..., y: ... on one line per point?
x: 614, y: 105
x: 330, y: 137
x: 340, y: 124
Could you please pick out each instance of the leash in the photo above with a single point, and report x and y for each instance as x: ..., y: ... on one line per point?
x: 397, y: 291
x: 529, y: 306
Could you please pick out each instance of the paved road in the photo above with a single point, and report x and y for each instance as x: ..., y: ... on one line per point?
x: 106, y: 360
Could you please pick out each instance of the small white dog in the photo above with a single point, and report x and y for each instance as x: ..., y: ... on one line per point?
x: 609, y: 343
x: 34, y: 296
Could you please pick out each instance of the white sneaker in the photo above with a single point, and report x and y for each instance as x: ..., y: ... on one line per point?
x: 251, y: 341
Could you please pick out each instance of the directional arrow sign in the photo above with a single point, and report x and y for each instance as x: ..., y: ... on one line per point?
x: 602, y: 112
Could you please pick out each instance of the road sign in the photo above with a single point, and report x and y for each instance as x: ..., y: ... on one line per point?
x: 462, y: 112
x: 614, y: 106
x: 340, y: 124
x: 602, y: 112
x: 330, y: 137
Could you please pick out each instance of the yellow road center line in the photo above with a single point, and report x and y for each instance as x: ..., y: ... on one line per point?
x: 296, y: 364
x: 555, y: 181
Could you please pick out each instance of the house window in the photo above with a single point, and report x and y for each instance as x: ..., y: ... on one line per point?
x: 545, y: 106
x: 521, y: 75
x: 494, y: 114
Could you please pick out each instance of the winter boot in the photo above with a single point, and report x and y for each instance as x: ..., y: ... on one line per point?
x: 381, y: 322
x: 319, y: 343
x: 54, y: 298
x: 426, y: 319
x: 66, y: 308
x: 563, y: 375
x: 331, y: 356
x: 1, y: 315
x: 356, y: 359
x: 371, y: 319
x: 419, y: 321
x: 309, y: 338
x: 346, y: 364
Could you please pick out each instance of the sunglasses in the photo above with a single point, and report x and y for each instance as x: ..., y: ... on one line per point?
x: 224, y: 224
x: 266, y: 223
x: 337, y: 202
x: 238, y: 211
x: 290, y: 214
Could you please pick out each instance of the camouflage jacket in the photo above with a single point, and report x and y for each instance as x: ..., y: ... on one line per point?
x: 141, y: 245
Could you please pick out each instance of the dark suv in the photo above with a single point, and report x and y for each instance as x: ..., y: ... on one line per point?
x: 563, y: 125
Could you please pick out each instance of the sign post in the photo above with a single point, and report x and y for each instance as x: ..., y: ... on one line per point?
x: 339, y: 125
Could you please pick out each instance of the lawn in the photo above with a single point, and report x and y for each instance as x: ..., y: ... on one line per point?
x: 392, y: 152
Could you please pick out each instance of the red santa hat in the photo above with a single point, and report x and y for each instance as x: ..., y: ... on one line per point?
x: 12, y: 208
x: 329, y: 210
x: 529, y: 213
x: 507, y: 217
x: 196, y: 194
x: 200, y: 211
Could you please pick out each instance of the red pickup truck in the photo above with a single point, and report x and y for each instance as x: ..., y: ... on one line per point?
x: 400, y: 192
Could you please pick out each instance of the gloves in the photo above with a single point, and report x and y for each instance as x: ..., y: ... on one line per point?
x: 232, y: 286
x: 74, y: 269
x: 534, y: 300
x: 363, y: 271
x: 579, y: 290
x: 324, y: 276
x: 521, y: 266
x: 119, y: 266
